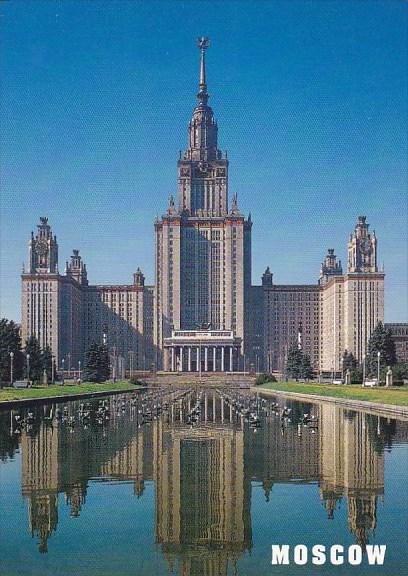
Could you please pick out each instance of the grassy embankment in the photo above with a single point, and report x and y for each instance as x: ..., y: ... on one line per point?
x: 10, y: 394
x: 397, y: 396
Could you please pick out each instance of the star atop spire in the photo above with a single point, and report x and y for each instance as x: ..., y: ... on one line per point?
x: 203, y: 43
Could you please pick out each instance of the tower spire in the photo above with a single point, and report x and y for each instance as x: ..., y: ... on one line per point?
x: 203, y: 43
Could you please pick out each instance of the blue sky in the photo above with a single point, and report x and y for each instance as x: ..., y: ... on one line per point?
x: 311, y: 101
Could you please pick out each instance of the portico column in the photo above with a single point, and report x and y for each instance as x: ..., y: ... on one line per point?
x: 230, y: 359
x: 214, y: 359
x: 222, y: 409
x: 206, y: 359
x: 198, y: 359
x: 172, y: 359
x: 181, y: 358
x: 222, y: 359
x: 189, y: 358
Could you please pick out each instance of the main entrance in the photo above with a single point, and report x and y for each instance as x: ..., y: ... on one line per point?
x: 202, y: 351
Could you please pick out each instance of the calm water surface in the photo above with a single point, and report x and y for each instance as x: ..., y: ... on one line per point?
x: 192, y: 483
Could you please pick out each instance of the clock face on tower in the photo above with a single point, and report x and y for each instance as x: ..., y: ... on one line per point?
x: 41, y: 247
x: 365, y: 246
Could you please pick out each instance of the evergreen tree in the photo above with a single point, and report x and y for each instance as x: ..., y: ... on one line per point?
x: 349, y: 361
x: 306, y: 370
x: 294, y: 363
x: 97, y: 366
x: 36, y: 359
x: 380, y: 341
x: 298, y: 364
x: 10, y: 341
x: 47, y: 360
x: 104, y: 362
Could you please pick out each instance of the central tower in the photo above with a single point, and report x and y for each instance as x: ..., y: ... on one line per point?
x: 203, y: 171
x: 203, y: 255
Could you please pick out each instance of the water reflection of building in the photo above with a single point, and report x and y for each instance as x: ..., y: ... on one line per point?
x: 350, y: 466
x: 40, y: 481
x: 203, y: 475
x: 278, y: 454
x: 203, y: 519
x: 57, y: 459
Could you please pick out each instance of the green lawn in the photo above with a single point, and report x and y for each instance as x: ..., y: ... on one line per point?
x: 397, y: 396
x: 10, y: 394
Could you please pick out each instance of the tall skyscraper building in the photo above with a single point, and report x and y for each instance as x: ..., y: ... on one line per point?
x: 203, y: 313
x: 203, y: 255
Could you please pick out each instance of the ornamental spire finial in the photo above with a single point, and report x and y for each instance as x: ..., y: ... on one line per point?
x: 203, y: 43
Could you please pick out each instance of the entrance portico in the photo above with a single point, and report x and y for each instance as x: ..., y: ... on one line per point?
x: 202, y: 351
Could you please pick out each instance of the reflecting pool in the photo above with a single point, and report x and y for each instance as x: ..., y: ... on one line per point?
x: 197, y: 482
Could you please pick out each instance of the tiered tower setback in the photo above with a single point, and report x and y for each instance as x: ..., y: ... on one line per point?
x: 203, y: 314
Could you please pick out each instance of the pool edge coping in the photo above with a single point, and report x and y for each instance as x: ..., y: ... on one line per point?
x: 391, y: 409
x: 74, y: 396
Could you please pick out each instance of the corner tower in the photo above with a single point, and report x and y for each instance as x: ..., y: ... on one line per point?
x: 203, y: 256
x: 362, y: 248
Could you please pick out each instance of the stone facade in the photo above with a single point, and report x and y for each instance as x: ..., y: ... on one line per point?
x: 399, y: 331
x: 203, y: 314
x: 203, y: 253
x: 353, y: 303
x: 68, y: 314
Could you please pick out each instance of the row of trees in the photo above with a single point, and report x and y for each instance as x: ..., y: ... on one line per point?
x: 37, y: 359
x: 34, y: 358
x: 298, y: 364
x: 380, y: 350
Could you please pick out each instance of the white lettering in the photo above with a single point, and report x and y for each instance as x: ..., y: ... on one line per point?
x: 319, y: 556
x: 280, y: 554
x: 376, y: 554
x: 355, y: 555
x: 336, y: 557
x: 300, y: 554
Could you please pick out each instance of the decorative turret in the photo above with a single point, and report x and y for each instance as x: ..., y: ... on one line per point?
x: 43, y: 250
x: 171, y: 210
x: 138, y: 278
x: 77, y: 269
x: 330, y: 267
x: 362, y: 249
x: 267, y: 278
x: 234, y: 211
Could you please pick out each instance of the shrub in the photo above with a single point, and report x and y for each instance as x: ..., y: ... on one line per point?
x: 356, y: 375
x: 264, y: 378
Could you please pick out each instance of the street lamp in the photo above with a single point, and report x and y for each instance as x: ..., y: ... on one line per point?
x: 114, y: 365
x: 52, y: 369
x: 28, y: 367
x: 131, y: 355
x: 79, y: 371
x: 69, y: 364
x: 11, y: 367
x: 63, y: 370
x: 378, y: 367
